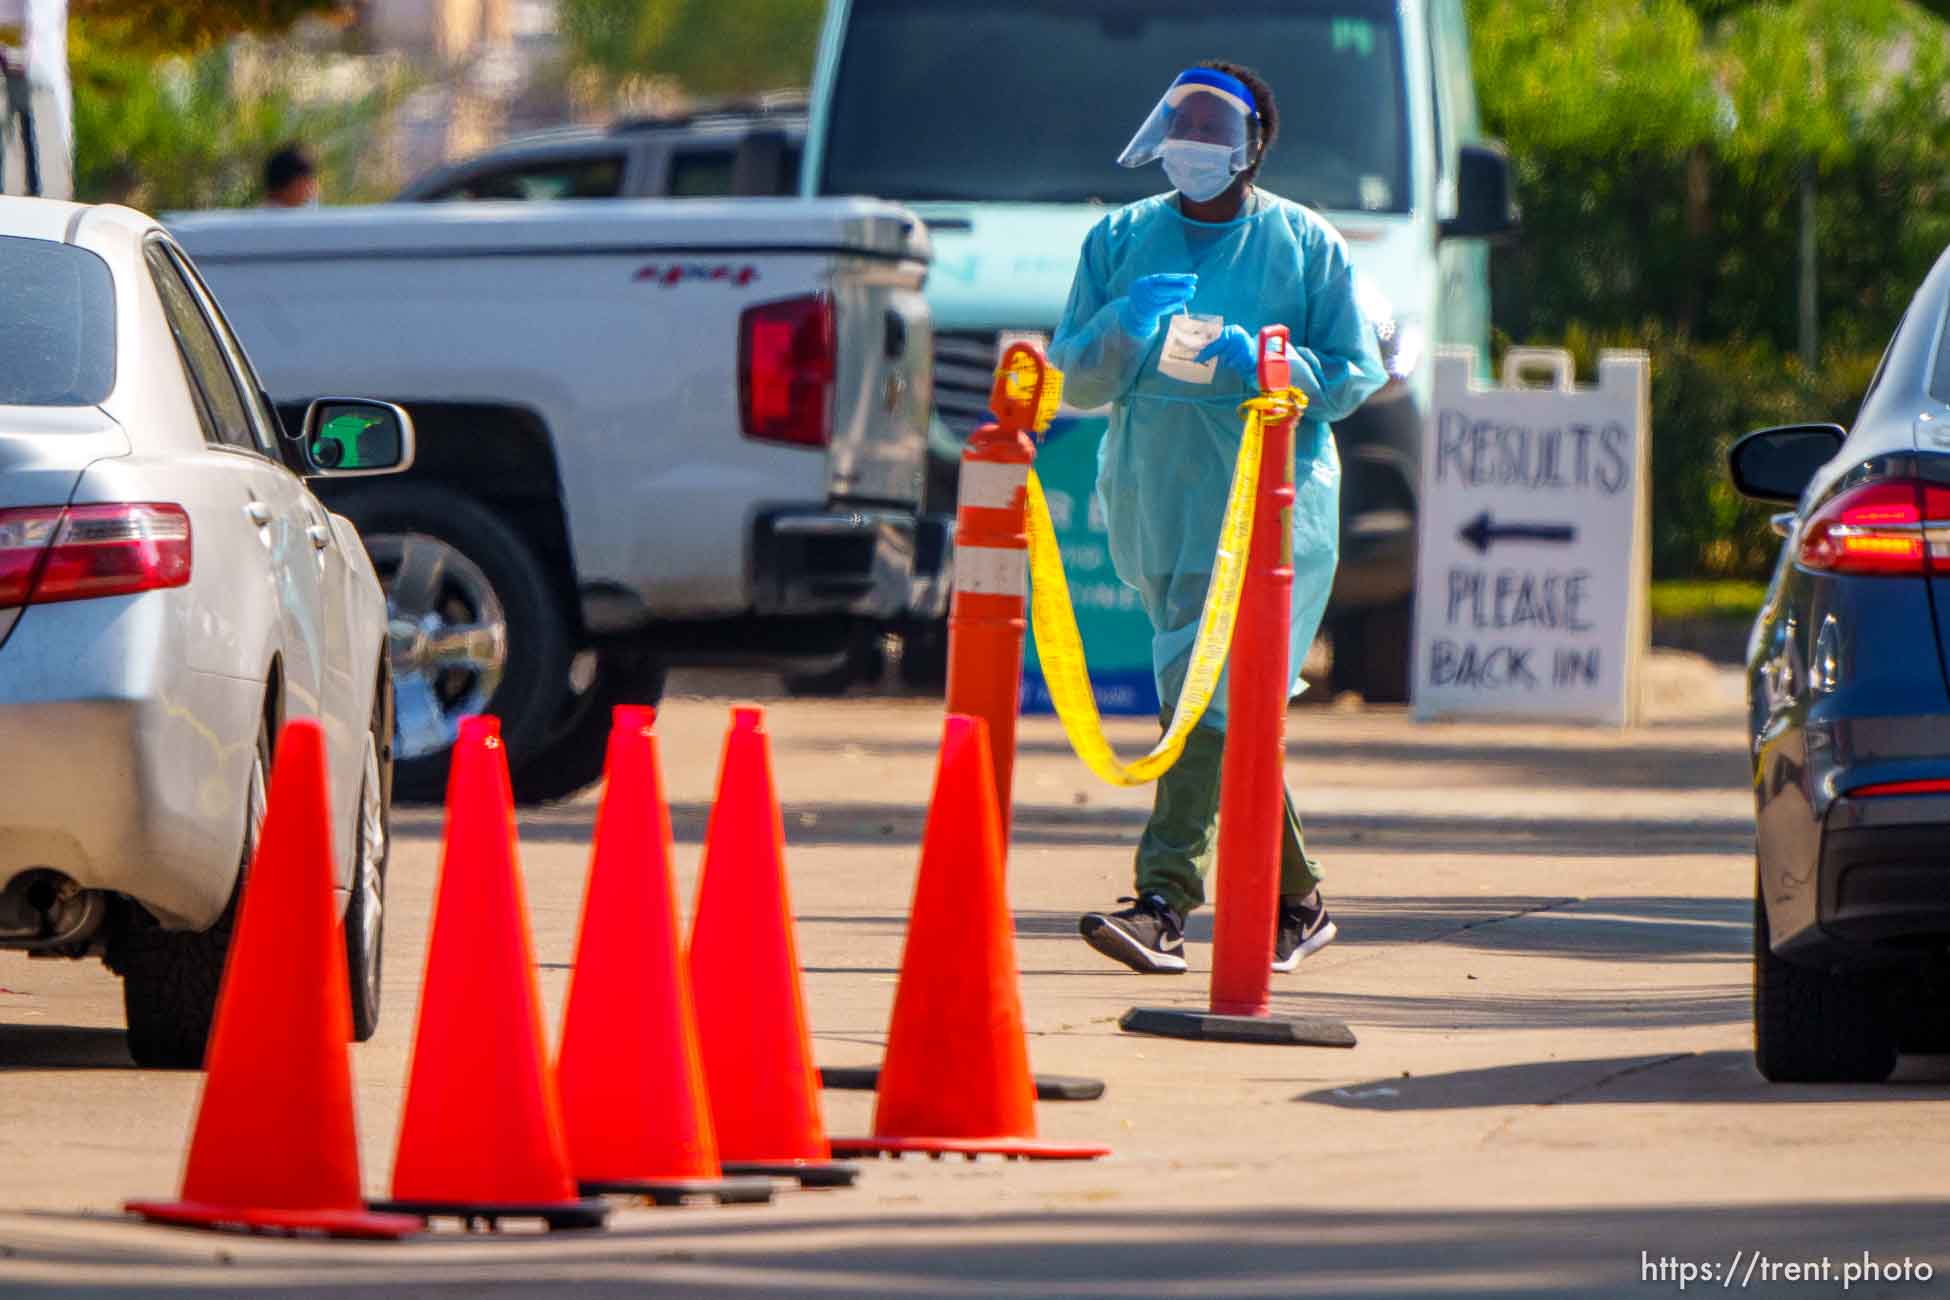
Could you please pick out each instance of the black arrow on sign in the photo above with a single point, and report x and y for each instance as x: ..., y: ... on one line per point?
x: 1482, y: 532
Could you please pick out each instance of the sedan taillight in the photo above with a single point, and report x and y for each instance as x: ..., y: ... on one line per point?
x: 50, y: 554
x: 24, y: 535
x: 1892, y: 528
x: 1888, y: 788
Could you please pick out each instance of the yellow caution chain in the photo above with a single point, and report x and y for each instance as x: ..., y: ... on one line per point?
x: 1059, y: 646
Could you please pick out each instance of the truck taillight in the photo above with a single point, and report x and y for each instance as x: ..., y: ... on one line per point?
x: 1891, y: 528
x: 50, y: 554
x: 786, y: 365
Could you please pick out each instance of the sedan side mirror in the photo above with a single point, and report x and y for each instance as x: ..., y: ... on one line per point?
x: 1486, y: 203
x: 1778, y: 464
x: 351, y: 437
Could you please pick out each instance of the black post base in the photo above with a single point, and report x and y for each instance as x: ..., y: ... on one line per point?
x: 1211, y: 1027
x: 1049, y: 1087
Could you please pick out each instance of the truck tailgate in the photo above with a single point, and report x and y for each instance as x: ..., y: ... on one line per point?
x: 885, y: 389
x: 878, y: 257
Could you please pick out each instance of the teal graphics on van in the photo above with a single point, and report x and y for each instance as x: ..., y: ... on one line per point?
x: 1116, y: 633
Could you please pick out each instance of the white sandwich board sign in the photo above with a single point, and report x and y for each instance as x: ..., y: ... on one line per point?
x: 1532, y: 572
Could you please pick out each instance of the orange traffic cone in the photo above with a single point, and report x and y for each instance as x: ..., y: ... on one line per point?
x: 751, y: 1012
x: 956, y: 1076
x: 633, y: 1102
x: 481, y: 1137
x: 274, y: 1148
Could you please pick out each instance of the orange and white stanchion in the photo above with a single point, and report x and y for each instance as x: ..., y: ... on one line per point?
x: 988, y: 619
x: 1256, y: 702
x: 1255, y: 759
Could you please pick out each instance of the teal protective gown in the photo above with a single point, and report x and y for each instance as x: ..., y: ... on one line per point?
x: 1167, y: 461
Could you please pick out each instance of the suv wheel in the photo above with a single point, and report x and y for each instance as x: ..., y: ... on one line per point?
x: 1372, y: 651
x: 170, y: 978
x: 1811, y: 1026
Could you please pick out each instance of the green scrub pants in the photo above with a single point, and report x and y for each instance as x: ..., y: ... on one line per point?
x: 1179, y: 841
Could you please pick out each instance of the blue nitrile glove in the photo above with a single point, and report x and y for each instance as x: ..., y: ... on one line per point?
x: 1236, y: 350
x: 1151, y: 299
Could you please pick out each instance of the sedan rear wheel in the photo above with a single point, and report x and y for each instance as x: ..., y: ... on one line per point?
x: 170, y: 978
x: 1813, y: 1026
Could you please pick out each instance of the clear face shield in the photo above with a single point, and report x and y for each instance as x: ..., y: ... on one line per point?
x: 1202, y: 130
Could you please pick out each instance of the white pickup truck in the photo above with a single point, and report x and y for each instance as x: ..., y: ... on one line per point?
x: 650, y: 432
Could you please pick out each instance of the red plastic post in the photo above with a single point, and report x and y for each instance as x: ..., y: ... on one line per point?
x: 1256, y: 702
x: 988, y: 619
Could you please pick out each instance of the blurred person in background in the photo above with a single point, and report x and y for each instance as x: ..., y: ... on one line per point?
x: 290, y: 180
x: 1234, y: 258
x: 37, y: 102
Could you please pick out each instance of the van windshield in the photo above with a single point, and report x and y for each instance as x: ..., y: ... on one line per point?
x: 57, y: 324
x: 1032, y: 100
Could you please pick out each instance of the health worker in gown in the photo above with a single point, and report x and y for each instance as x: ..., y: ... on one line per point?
x: 1162, y: 326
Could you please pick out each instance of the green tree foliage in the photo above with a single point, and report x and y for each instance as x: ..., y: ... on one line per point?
x: 1556, y: 75
x: 1712, y: 9
x: 712, y: 47
x: 1660, y: 148
x: 1659, y: 155
x: 187, y: 26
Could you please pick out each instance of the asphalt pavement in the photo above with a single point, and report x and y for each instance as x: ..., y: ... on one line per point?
x: 1545, y: 953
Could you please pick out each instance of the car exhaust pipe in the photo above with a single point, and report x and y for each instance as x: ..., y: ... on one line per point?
x: 44, y: 911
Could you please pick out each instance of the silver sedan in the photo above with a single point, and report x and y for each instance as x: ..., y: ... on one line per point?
x: 170, y: 593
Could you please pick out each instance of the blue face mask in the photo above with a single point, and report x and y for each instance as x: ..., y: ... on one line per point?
x: 1196, y: 169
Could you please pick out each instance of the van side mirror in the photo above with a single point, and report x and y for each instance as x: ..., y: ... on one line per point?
x: 1778, y: 464
x: 760, y: 165
x: 1486, y: 203
x: 351, y: 437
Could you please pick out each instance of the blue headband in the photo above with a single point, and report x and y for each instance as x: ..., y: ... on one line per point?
x: 1214, y: 80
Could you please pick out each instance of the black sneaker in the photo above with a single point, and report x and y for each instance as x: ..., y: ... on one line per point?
x: 1301, y: 932
x: 1146, y: 936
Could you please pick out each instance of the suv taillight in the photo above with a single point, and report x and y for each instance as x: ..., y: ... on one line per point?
x: 1892, y: 528
x: 50, y: 554
x: 786, y: 364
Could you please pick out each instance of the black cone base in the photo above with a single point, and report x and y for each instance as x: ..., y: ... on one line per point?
x: 558, y: 1215
x: 676, y: 1191
x: 808, y: 1173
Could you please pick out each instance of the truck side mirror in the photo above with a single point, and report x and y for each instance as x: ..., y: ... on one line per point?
x: 760, y: 165
x: 350, y: 437
x: 1778, y: 464
x: 1486, y: 205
